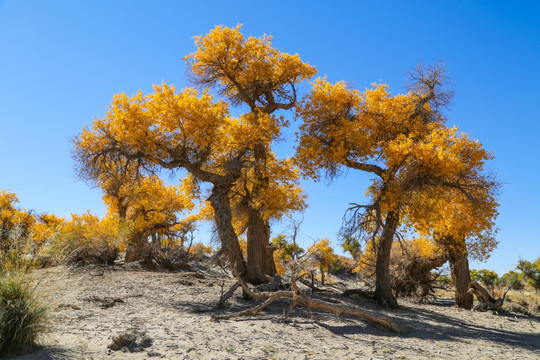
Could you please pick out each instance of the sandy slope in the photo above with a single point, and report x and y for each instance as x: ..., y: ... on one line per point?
x: 173, y: 309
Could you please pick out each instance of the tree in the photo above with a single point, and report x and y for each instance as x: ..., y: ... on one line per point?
x: 460, y: 219
x: 403, y: 142
x: 512, y: 280
x: 285, y: 251
x: 151, y: 207
x: 485, y: 276
x: 353, y: 246
x: 153, y: 210
x: 252, y: 73
x: 170, y: 129
x: 282, y: 197
x: 531, y: 270
x: 189, y: 130
x: 322, y: 254
x: 376, y: 133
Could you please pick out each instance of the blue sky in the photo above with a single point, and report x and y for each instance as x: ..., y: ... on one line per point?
x: 62, y: 61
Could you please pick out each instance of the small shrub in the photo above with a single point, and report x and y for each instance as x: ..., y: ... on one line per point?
x: 23, y: 313
x: 443, y: 281
x: 170, y: 257
x: 86, y: 239
x: 92, y: 253
x: 132, y: 341
x: 531, y: 271
x: 412, y: 269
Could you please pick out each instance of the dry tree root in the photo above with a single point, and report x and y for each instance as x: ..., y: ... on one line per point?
x: 226, y: 296
x: 485, y: 300
x: 297, y: 297
x: 360, y: 292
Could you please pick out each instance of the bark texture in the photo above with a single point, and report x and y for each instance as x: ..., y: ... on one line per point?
x: 219, y: 200
x: 260, y: 259
x: 459, y: 270
x: 383, y: 288
x: 485, y: 300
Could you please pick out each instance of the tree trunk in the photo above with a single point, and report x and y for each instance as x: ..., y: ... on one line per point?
x: 459, y: 269
x: 136, y: 249
x: 260, y: 260
x: 219, y: 200
x: 383, y: 289
x: 322, y: 275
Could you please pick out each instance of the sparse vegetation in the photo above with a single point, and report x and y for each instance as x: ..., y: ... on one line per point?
x: 131, y: 340
x: 23, y: 307
x: 23, y: 313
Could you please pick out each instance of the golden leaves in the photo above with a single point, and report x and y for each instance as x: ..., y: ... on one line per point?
x: 246, y: 70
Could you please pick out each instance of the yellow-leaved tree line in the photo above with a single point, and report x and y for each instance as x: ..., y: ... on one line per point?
x: 428, y: 179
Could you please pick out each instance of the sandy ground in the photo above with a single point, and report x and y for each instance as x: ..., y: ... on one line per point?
x: 174, y: 311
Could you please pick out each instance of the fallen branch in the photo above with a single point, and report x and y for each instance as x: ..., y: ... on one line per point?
x: 362, y: 293
x: 298, y: 296
x: 485, y: 300
x: 309, y: 284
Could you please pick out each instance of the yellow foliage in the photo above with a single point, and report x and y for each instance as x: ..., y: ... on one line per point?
x: 199, y: 249
x: 245, y: 69
x: 430, y: 174
x: 278, y: 260
x: 322, y: 253
x: 88, y: 232
x: 149, y: 201
x: 16, y: 227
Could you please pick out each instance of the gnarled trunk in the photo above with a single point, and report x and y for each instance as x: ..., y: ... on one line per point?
x: 260, y: 260
x: 383, y: 289
x: 219, y: 200
x: 459, y: 270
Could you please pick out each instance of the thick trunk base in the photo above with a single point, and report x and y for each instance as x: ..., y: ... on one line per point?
x: 383, y: 289
x: 220, y: 202
x: 260, y: 259
x: 459, y: 270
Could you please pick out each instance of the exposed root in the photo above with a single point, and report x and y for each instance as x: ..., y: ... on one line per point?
x: 298, y: 296
x: 226, y: 296
x: 360, y: 292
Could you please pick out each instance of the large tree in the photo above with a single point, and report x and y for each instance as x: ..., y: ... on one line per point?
x: 401, y: 140
x: 175, y: 129
x: 458, y: 213
x: 251, y: 73
x: 188, y: 129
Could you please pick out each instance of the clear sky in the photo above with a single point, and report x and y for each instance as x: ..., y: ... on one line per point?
x: 62, y: 61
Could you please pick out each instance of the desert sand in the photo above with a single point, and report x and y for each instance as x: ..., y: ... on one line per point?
x: 171, y: 314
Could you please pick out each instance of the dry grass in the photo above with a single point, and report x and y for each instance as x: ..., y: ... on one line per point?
x: 523, y: 301
x: 23, y: 313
